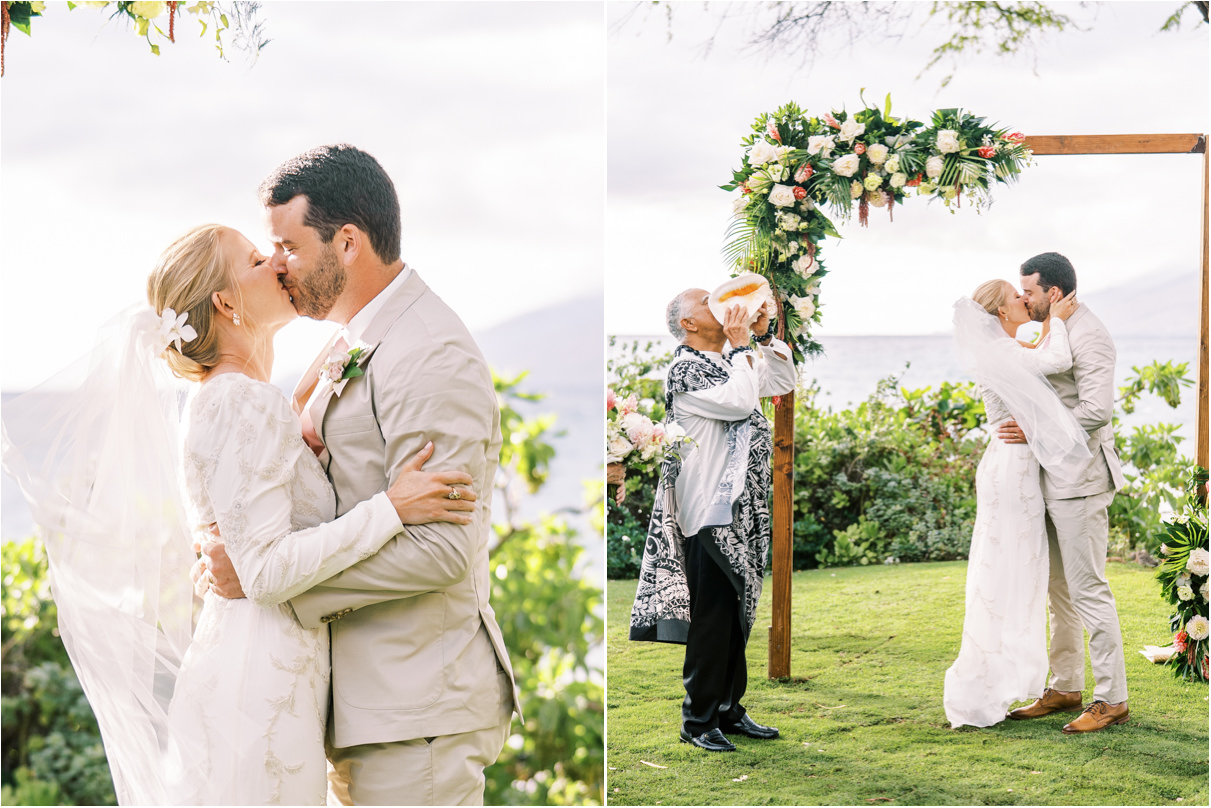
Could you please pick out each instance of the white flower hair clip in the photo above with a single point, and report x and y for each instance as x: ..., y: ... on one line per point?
x: 164, y: 329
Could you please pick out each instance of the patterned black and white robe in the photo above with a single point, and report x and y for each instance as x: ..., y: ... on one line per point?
x: 739, y: 525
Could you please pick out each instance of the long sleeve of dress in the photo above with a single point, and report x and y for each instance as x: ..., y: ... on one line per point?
x: 1055, y: 356
x: 246, y: 452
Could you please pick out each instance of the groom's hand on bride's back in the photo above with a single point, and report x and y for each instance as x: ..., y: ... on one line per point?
x: 1010, y: 432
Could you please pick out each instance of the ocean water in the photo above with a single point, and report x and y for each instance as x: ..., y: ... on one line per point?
x: 851, y: 367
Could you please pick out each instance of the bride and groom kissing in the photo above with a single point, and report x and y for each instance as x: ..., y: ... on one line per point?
x: 325, y: 541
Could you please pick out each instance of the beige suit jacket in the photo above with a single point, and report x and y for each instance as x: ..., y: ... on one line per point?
x: 415, y: 644
x: 1087, y: 389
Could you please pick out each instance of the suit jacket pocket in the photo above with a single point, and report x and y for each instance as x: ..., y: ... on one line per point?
x: 349, y: 426
x: 391, y: 656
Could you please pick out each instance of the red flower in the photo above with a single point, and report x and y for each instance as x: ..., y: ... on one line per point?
x: 914, y: 182
x: 1015, y: 137
x: 859, y: 148
x: 744, y: 189
x: 1179, y: 641
x: 800, y: 193
x: 611, y: 399
x: 987, y: 152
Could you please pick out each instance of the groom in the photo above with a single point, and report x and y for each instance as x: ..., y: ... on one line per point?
x: 1077, y: 520
x: 422, y: 688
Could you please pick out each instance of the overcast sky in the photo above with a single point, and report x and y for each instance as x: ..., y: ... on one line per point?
x: 676, y: 117
x: 489, y: 117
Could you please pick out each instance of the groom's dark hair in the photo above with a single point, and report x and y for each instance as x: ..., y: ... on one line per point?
x: 1053, y: 270
x: 343, y: 185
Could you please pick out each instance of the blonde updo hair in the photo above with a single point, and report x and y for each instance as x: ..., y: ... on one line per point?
x: 186, y: 276
x: 991, y: 296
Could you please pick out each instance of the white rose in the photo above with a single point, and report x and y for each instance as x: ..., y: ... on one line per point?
x: 872, y: 181
x: 933, y: 166
x: 618, y: 448
x: 805, y: 265
x: 856, y: 190
x: 898, y: 180
x: 848, y: 165
x: 948, y: 141
x: 740, y: 205
x: 761, y: 153
x: 804, y: 305
x: 851, y: 129
x: 1197, y: 627
x: 877, y: 153
x: 674, y: 432
x: 821, y: 144
x: 1182, y: 580
x: 1202, y: 590
x: 1198, y: 562
x: 892, y: 165
x: 1185, y: 593
x: 782, y: 196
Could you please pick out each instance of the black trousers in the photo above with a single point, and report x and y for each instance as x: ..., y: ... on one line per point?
x: 715, y: 671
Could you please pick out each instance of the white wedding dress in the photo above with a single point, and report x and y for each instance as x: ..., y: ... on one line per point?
x: 1003, y: 656
x: 247, y: 718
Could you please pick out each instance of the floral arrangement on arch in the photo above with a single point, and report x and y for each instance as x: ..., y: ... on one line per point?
x: 1183, y: 578
x: 795, y: 166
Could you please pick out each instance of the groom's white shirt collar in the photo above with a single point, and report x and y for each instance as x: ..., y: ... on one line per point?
x: 362, y: 320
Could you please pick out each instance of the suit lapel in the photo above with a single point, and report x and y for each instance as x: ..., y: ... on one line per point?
x: 400, y: 302
x: 303, y: 390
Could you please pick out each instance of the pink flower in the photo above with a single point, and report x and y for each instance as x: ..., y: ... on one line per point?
x: 611, y: 399
x: 772, y: 128
x: 658, y: 433
x: 804, y: 172
x: 1179, y: 641
x: 800, y: 193
x: 987, y: 152
x: 1015, y: 137
x: 859, y: 148
x: 831, y: 121
x: 628, y: 405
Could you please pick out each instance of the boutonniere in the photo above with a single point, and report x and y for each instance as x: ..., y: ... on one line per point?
x: 341, y: 366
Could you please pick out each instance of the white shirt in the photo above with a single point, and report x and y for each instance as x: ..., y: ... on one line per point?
x: 361, y: 321
x: 704, y: 415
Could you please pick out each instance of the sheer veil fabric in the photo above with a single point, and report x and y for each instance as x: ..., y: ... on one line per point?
x: 95, y: 451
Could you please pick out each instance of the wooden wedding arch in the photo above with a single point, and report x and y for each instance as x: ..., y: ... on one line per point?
x: 784, y: 419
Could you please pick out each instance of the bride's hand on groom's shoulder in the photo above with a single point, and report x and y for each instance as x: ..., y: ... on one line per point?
x: 421, y: 497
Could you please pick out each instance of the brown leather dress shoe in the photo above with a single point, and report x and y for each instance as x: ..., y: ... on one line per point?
x: 1098, y: 716
x: 1052, y: 701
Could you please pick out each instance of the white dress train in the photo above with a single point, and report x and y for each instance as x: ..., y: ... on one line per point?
x: 1003, y: 656
x: 248, y: 714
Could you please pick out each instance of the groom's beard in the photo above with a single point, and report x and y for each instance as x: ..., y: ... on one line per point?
x: 1039, y: 312
x: 317, y: 293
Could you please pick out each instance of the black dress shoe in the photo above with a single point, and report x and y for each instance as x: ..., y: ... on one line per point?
x: 749, y: 727
x: 711, y: 741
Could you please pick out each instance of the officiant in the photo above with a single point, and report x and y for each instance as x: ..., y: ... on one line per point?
x: 704, y: 557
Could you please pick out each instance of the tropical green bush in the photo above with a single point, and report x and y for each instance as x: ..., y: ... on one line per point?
x: 893, y: 478
x: 550, y: 613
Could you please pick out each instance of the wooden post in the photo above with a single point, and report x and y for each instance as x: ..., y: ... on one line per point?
x: 783, y: 536
x: 1204, y: 390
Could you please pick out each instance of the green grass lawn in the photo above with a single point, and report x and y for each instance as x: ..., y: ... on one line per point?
x: 861, y: 716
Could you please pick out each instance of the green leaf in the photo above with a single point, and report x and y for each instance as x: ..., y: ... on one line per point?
x: 155, y: 49
x: 887, y: 107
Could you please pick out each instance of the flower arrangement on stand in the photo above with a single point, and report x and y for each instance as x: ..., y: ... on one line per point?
x: 633, y: 437
x: 796, y: 165
x: 1183, y: 576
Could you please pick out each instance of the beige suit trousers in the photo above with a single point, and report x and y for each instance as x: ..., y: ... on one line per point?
x: 443, y: 770
x: 1079, y: 598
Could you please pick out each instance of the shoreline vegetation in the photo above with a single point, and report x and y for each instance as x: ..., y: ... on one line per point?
x: 861, y: 717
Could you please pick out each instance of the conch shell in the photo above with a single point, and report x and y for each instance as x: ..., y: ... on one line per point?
x: 750, y: 290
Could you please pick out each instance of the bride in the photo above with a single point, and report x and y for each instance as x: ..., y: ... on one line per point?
x: 234, y: 711
x: 1003, y: 655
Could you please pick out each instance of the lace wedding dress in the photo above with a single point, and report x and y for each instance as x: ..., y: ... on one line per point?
x: 247, y: 718
x: 1003, y: 656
